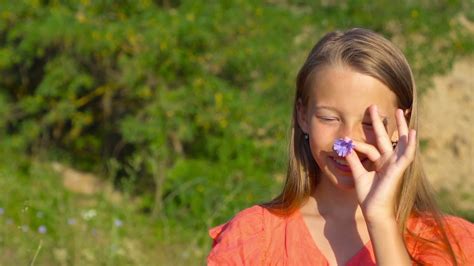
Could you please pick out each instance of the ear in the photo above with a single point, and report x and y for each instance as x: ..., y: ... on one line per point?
x: 301, y: 116
x: 395, y: 136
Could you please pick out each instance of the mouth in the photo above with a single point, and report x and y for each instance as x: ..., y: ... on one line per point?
x: 341, y: 163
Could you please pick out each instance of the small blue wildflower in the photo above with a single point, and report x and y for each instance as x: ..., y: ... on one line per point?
x: 42, y: 229
x: 2, y: 211
x: 118, y: 223
x: 71, y: 221
x: 343, y: 147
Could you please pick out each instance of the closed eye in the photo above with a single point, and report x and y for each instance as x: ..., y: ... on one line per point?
x: 327, y: 119
x: 367, y: 124
x: 370, y: 125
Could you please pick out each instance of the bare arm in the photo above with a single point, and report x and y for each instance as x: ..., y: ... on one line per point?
x: 388, y: 244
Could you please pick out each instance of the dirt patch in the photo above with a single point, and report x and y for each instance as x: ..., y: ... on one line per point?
x: 447, y: 128
x: 86, y: 183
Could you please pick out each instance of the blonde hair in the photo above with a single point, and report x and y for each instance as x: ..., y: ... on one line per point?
x: 371, y: 54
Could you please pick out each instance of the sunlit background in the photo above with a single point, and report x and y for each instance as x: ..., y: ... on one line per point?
x: 129, y: 128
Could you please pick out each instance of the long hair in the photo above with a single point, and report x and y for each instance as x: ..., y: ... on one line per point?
x: 371, y: 54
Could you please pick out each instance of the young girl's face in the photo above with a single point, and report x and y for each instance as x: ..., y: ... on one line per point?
x: 338, y: 107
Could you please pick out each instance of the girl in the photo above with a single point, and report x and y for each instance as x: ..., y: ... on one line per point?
x: 363, y: 203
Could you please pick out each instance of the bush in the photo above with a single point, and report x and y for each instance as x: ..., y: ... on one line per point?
x: 188, y: 103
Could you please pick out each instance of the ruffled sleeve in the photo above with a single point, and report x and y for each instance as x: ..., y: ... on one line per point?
x: 240, y: 241
x: 461, y: 237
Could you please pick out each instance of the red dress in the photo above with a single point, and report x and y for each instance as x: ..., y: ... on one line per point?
x: 255, y: 236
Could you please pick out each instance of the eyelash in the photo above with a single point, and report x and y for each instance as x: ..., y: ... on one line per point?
x: 367, y: 124
x: 328, y: 119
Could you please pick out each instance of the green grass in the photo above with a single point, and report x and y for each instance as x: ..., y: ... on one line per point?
x: 81, y: 229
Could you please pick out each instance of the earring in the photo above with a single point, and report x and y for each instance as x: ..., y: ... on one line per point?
x: 306, y: 136
x: 394, y: 144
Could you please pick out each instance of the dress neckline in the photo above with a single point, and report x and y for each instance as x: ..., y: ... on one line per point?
x: 309, y: 239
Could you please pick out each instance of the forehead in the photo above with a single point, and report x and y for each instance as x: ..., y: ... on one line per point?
x: 349, y: 91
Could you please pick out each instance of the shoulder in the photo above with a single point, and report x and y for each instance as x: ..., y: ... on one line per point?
x: 459, y: 224
x: 460, y: 234
x: 248, y: 221
x: 454, y: 226
x: 242, y: 240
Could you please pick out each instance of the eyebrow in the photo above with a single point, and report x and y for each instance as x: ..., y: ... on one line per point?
x: 326, y: 107
x: 383, y: 117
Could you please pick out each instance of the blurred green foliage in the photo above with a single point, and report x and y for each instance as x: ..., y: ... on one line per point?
x: 186, y: 103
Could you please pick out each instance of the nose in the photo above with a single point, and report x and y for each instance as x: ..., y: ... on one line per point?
x: 353, y: 131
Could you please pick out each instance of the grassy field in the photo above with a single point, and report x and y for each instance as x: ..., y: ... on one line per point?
x: 42, y: 222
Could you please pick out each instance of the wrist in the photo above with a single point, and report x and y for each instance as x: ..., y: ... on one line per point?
x: 380, y: 220
x: 379, y: 217
x: 385, y: 225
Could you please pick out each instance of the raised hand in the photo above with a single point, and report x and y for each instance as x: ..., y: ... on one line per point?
x: 377, y: 189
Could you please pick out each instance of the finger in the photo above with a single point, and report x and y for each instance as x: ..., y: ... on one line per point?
x: 383, y: 141
x: 408, y: 154
x: 370, y: 150
x: 356, y: 166
x: 402, y: 129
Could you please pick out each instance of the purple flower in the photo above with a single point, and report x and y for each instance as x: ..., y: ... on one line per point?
x: 118, y: 223
x: 71, y: 221
x: 42, y: 229
x: 343, y: 147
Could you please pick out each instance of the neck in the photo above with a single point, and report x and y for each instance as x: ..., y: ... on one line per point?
x: 334, y: 203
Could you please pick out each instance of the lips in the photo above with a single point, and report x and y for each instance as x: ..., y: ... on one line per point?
x: 341, y: 163
x: 337, y: 163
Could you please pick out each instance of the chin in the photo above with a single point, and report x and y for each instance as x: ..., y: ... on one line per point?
x: 345, y: 184
x: 341, y: 181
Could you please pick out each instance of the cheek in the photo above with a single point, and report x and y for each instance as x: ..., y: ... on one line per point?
x: 322, y: 136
